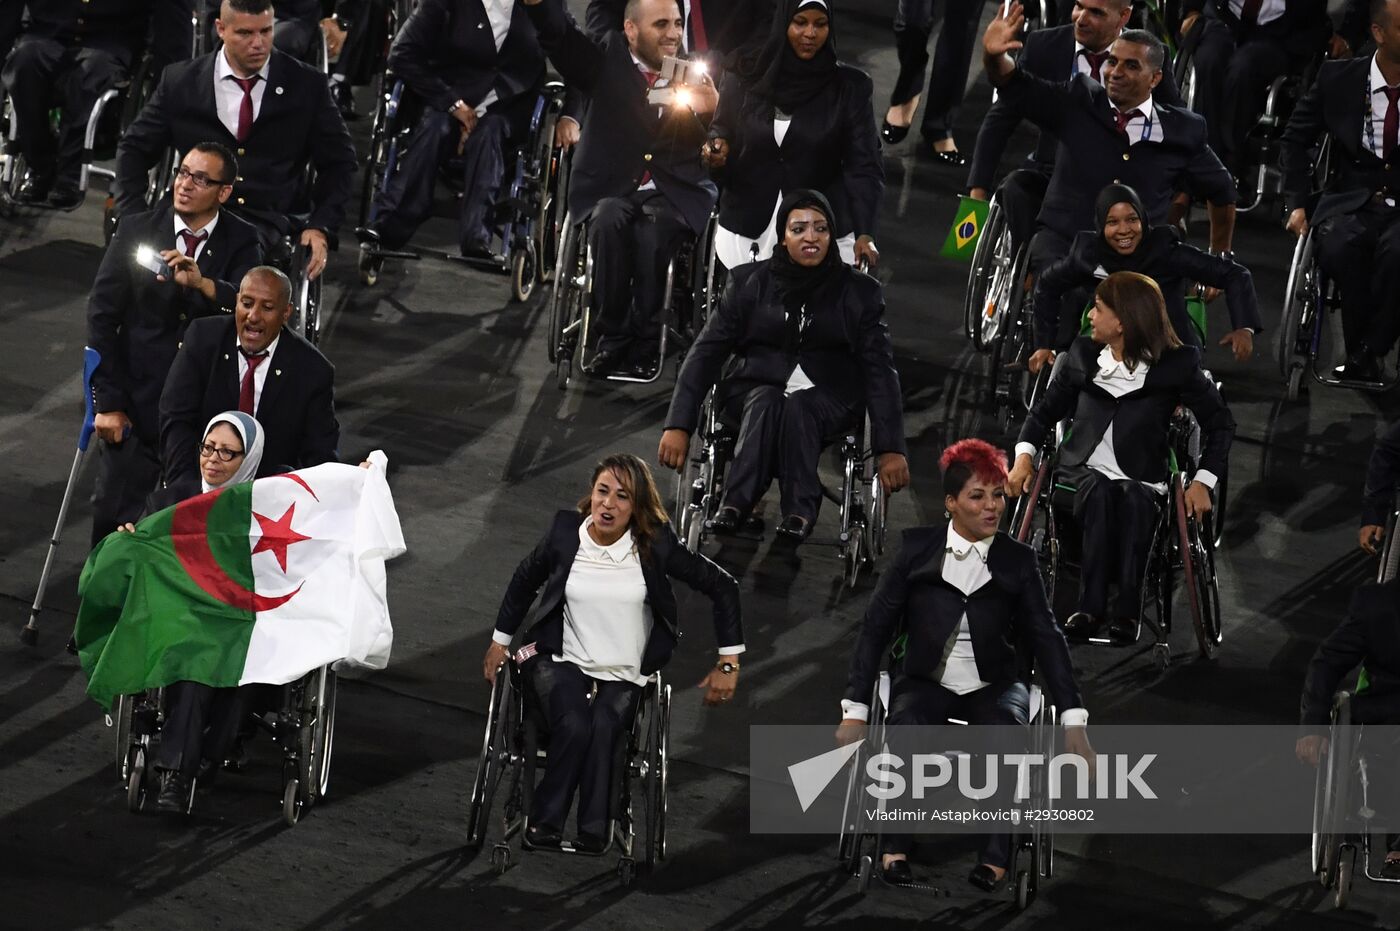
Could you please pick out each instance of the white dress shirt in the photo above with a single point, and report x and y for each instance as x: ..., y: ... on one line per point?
x: 1269, y: 10
x: 1081, y: 62
x: 259, y: 373
x: 181, y: 226
x: 498, y: 15
x: 1114, y: 377
x: 1145, y: 126
x: 1373, y: 132
x: 964, y: 568
x: 228, y: 96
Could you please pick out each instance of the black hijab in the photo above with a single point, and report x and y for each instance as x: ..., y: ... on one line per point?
x: 778, y: 75
x: 795, y: 283
x: 1154, y: 238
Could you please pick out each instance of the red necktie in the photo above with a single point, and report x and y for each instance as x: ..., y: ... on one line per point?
x: 1249, y: 11
x: 245, y: 391
x: 192, y: 241
x: 1123, y: 118
x: 697, y: 27
x: 1392, y: 121
x: 1096, y: 60
x: 245, y: 109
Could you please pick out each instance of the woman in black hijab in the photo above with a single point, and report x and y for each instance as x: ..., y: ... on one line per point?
x: 792, y: 117
x: 796, y: 348
x: 1122, y: 243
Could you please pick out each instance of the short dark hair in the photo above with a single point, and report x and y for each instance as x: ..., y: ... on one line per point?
x: 1380, y: 12
x: 1137, y: 302
x: 255, y: 7
x: 224, y: 154
x: 1156, y: 52
x: 269, y: 271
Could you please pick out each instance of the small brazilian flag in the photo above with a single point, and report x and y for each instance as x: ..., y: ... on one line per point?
x: 967, y: 226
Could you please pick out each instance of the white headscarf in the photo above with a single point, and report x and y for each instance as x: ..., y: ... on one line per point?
x: 252, y: 435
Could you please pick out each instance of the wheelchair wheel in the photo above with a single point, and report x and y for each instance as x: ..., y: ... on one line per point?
x: 316, y: 735
x: 291, y: 803
x: 1198, y: 571
x: 370, y: 265
x: 875, y: 518
x: 1300, y: 300
x: 565, y: 302
x: 1217, y: 513
x: 522, y: 272
x: 1025, y: 895
x: 1346, y: 863
x: 1007, y: 362
x: 121, y: 720
x: 306, y: 299
x: 495, y: 756
x: 996, y: 285
x: 654, y: 784
x: 1155, y: 597
x: 136, y: 785
x: 852, y: 525
x: 980, y: 274
x: 1390, y: 552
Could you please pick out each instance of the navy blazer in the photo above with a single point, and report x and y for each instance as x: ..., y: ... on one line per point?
x: 844, y: 349
x: 1140, y: 418
x: 1369, y: 634
x: 296, y: 408
x: 1302, y: 30
x: 1335, y: 105
x: 447, y: 52
x: 298, y: 124
x: 830, y: 146
x: 1092, y: 153
x: 623, y: 137
x: 1005, y: 616
x: 137, y: 322
x: 1048, y: 54
x: 548, y: 566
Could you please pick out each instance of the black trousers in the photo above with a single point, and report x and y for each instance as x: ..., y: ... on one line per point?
x: 126, y: 473
x: 782, y: 437
x: 916, y: 701
x: 913, y: 24
x: 201, y: 723
x: 1116, y: 520
x: 407, y: 201
x: 1361, y: 252
x: 1020, y: 196
x: 633, y: 238
x: 43, y: 73
x: 586, y: 719
x: 1233, y: 84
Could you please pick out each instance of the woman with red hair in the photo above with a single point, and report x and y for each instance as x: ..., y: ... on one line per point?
x: 960, y: 658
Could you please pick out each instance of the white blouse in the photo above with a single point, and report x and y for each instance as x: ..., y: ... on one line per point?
x: 607, y: 620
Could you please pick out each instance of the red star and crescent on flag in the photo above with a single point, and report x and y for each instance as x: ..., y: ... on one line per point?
x: 277, y: 535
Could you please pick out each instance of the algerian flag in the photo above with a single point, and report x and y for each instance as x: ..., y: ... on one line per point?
x: 256, y: 582
x: 967, y: 226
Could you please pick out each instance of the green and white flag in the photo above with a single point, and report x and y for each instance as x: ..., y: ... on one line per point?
x: 966, y: 230
x: 256, y: 582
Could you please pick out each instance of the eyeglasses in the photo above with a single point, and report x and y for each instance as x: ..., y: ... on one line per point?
x: 199, y: 178
x: 225, y: 455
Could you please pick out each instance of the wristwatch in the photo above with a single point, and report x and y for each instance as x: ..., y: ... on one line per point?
x: 456, y: 106
x: 1226, y: 254
x: 727, y: 667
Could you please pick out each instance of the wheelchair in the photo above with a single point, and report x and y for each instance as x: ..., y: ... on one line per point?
x: 685, y: 301
x: 1178, y: 544
x: 1342, y: 822
x: 862, y: 503
x: 302, y: 725
x: 530, y: 213
x: 996, y: 281
x: 515, y: 743
x: 1033, y: 847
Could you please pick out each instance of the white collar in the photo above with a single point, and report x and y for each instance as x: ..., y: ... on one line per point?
x: 1110, y: 367
x: 960, y: 546
x: 222, y: 69
x: 641, y: 65
x: 617, y: 551
x: 271, y: 347
x: 1145, y: 107
x: 182, y: 226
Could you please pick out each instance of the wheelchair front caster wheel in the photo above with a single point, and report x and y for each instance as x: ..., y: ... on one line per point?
x: 1346, y: 860
x: 370, y: 267
x: 1161, y: 656
x: 1295, y: 382
x: 626, y: 871
x: 291, y: 804
x: 136, y: 783
x: 1025, y: 895
x: 867, y: 869
x: 522, y: 272
x: 500, y: 859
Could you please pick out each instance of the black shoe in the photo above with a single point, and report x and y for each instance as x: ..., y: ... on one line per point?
x: 1360, y: 367
x: 794, y: 529
x: 893, y: 135
x: 238, y: 757
x: 954, y: 157
x: 174, y: 795
x: 1080, y: 625
x: 478, y: 249
x: 65, y: 196
x: 983, y: 878
x: 605, y: 361
x: 1123, y: 630
x: 35, y: 189
x: 208, y: 769
x: 538, y: 835
x: 367, y: 236
x: 726, y: 522
x: 590, y: 843
x: 898, y: 873
x: 344, y: 96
